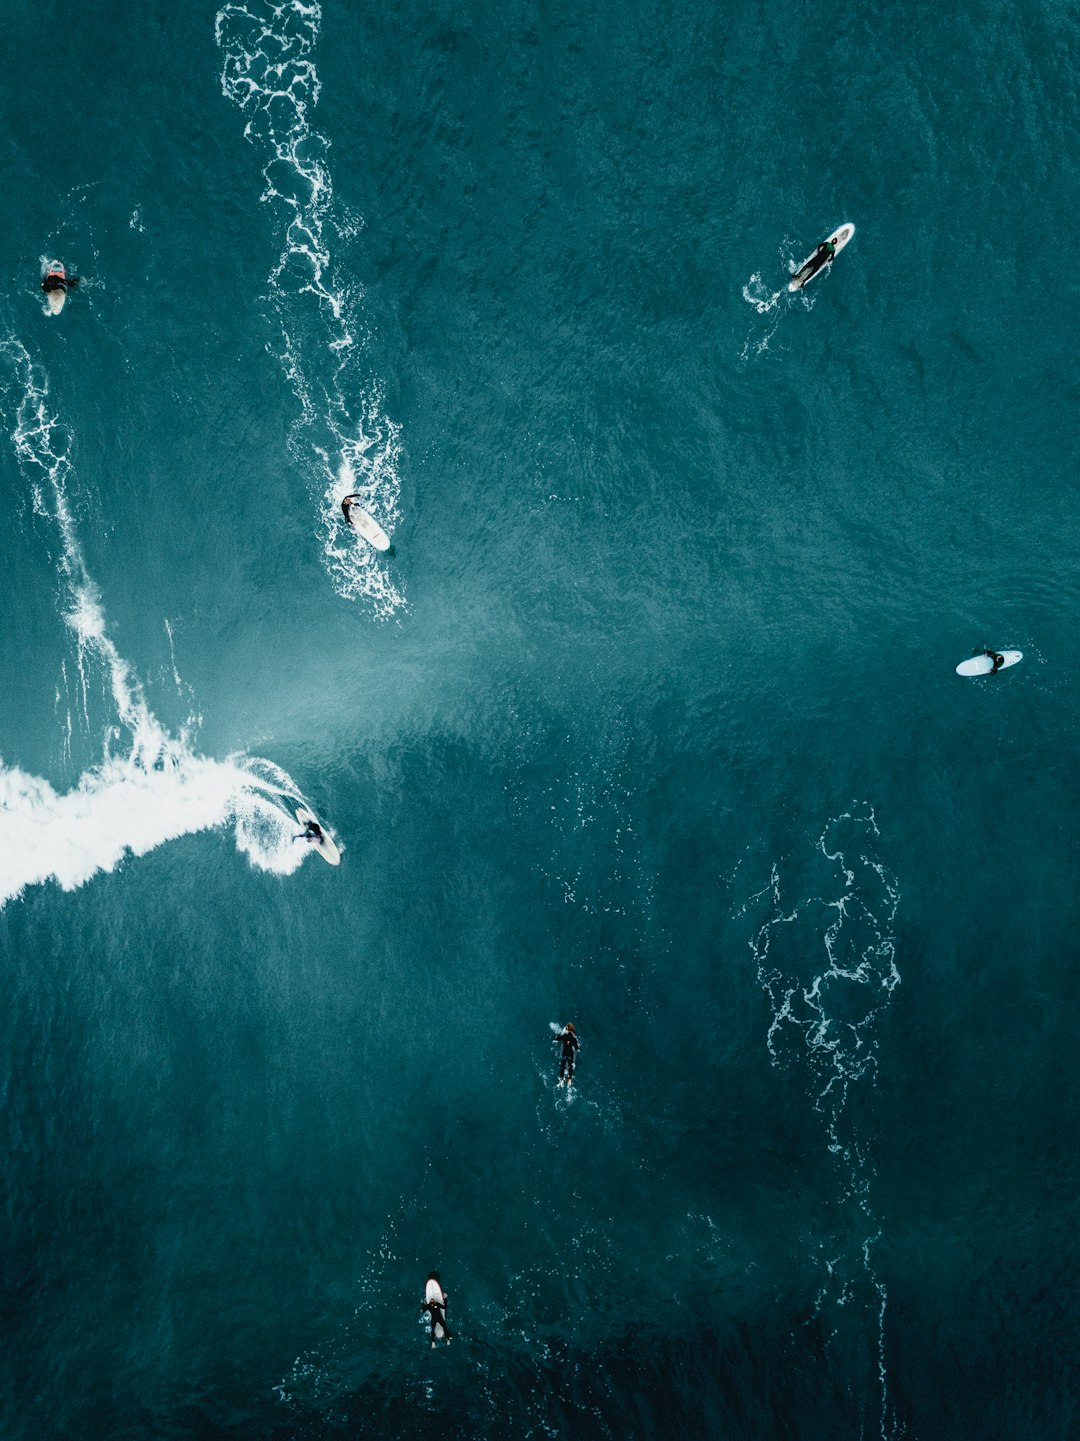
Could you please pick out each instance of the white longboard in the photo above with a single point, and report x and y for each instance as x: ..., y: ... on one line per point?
x: 325, y: 847
x: 434, y: 1293
x: 54, y: 299
x: 368, y: 527
x: 983, y: 665
x: 839, y: 238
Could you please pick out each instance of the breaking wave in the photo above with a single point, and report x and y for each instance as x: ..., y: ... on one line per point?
x: 150, y: 785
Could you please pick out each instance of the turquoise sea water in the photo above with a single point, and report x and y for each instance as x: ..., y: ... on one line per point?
x: 650, y: 721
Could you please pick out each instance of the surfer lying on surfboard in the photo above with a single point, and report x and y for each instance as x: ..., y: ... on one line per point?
x: 58, y: 279
x: 997, y: 658
x: 567, y: 1039
x: 821, y: 257
x: 434, y: 1308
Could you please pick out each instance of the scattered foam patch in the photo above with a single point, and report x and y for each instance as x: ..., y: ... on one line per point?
x: 826, y: 961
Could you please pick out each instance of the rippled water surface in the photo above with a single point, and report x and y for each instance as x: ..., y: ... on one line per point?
x: 648, y: 720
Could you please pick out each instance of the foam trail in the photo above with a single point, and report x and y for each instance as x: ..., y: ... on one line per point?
x: 827, y: 964
x: 150, y: 785
x: 343, y: 440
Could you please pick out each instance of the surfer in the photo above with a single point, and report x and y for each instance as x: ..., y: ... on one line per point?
x: 58, y: 279
x: 568, y: 1040
x: 435, y: 1308
x: 821, y: 257
x: 997, y: 658
x: 358, y: 519
x: 312, y: 832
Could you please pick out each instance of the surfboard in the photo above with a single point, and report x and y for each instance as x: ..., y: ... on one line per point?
x: 839, y: 238
x: 54, y: 299
x: 368, y: 527
x: 325, y: 847
x: 983, y: 665
x: 435, y: 1295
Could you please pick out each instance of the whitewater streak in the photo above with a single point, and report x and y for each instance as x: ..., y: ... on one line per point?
x: 827, y: 964
x: 150, y: 786
x: 343, y: 438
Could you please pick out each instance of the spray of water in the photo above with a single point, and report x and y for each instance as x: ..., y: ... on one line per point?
x: 149, y: 785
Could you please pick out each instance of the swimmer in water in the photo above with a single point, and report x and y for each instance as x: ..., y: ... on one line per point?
x: 434, y: 1308
x: 568, y: 1040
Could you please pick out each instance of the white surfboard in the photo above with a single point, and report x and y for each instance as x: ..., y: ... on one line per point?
x: 325, y: 847
x: 983, y: 665
x: 839, y: 238
x: 435, y: 1295
x: 54, y: 299
x: 368, y: 527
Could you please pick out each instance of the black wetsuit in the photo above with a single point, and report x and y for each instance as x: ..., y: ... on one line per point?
x: 58, y: 282
x: 437, y: 1314
x: 821, y: 257
x: 570, y: 1047
x: 998, y: 659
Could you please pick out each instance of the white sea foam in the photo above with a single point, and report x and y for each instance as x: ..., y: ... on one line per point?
x: 150, y: 785
x: 343, y: 438
x: 767, y: 304
x: 827, y: 963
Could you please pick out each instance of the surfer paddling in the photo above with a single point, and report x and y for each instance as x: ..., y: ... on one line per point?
x: 567, y: 1038
x: 434, y: 1308
x: 56, y: 285
x: 997, y: 658
x: 820, y: 258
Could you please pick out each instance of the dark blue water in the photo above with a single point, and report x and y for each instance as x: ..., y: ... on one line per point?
x: 649, y: 721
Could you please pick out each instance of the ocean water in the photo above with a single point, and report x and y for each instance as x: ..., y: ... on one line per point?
x: 649, y: 721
